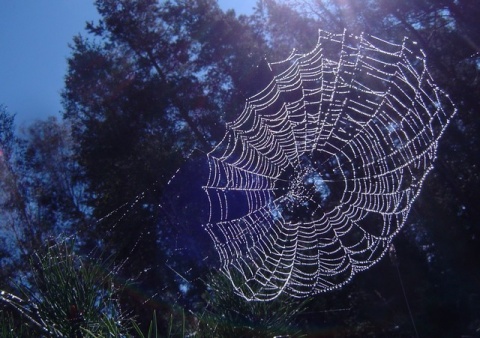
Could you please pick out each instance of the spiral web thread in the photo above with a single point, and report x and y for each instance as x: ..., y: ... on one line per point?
x: 316, y: 176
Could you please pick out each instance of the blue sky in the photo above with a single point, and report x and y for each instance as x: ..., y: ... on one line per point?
x: 34, y: 38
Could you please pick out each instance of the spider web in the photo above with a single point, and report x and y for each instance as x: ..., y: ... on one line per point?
x: 316, y: 176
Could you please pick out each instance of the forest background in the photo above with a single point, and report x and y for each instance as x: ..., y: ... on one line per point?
x: 152, y: 81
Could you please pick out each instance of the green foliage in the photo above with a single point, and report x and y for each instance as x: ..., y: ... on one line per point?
x: 40, y: 194
x: 73, y: 296
x: 10, y: 329
x: 152, y: 329
x: 229, y: 315
x: 67, y: 294
x: 7, y: 135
